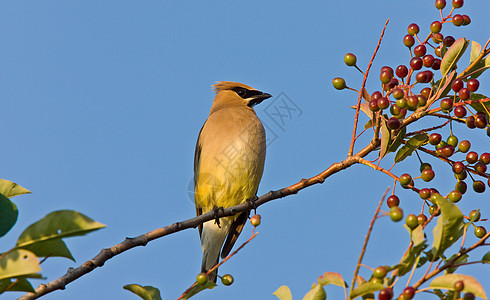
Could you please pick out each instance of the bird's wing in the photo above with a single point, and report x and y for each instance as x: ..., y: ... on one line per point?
x: 197, y: 158
x: 235, y: 230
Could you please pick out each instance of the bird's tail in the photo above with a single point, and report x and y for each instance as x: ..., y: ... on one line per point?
x: 212, y: 239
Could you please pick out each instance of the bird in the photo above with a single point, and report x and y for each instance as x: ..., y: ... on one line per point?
x: 228, y: 165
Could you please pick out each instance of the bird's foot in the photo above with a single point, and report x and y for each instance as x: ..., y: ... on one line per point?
x: 216, y: 215
x: 251, y: 203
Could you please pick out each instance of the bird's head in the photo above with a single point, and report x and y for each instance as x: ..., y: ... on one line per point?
x: 236, y: 94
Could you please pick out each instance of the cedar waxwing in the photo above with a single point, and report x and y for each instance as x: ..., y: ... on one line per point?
x: 228, y: 166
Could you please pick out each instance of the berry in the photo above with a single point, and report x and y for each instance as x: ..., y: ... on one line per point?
x: 472, y: 157
x: 457, y: 84
x: 408, y: 41
x: 405, y: 179
x: 485, y: 158
x: 412, y: 102
x: 424, y: 166
x: 373, y: 105
x: 469, y: 296
x: 398, y: 93
x: 464, y: 146
x: 475, y: 215
x: 392, y: 201
x: 420, y: 50
x: 426, y: 92
x: 435, y: 27
x: 433, y: 210
x: 383, y: 103
x: 441, y: 145
x: 461, y: 176
x: 454, y: 196
x: 461, y: 187
x: 458, y: 20
x: 447, y: 151
x: 452, y: 140
x: 421, y: 77
x: 424, y: 193
x: 458, y: 167
x: 467, y: 20
x: 401, y: 103
x: 449, y: 41
x: 480, y: 168
x: 437, y: 64
x: 255, y: 220
x: 427, y: 175
x: 422, y: 100
x: 409, y: 292
x: 458, y: 3
x: 413, y: 29
x: 440, y: 4
x: 460, y: 111
x: 459, y: 285
x: 428, y: 60
x: 339, y: 83
x: 437, y: 37
x: 227, y: 279
x: 446, y: 104
x: 481, y: 121
x: 479, y: 186
x: 385, y: 77
x: 386, y: 294
x: 421, y: 219
x: 376, y: 95
x: 401, y: 71
x: 412, y: 221
x: 202, y: 279
x: 393, y: 123
x: 435, y: 139
x: 464, y: 94
x: 480, y: 232
x: 416, y: 63
x: 350, y: 59
x: 380, y: 272
x: 396, y: 214
x: 470, y: 122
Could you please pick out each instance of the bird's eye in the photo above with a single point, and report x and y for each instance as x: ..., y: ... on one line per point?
x: 241, y: 92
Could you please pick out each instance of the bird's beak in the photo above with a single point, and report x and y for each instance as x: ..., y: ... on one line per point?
x: 256, y: 99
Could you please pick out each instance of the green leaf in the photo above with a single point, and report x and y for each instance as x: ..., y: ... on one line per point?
x: 411, y: 145
x: 452, y: 55
x: 145, y: 292
x: 364, y: 107
x: 475, y: 51
x: 20, y: 285
x: 486, y: 258
x: 53, y: 247
x: 332, y: 278
x: 460, y: 260
x: 480, y: 107
x: 19, y: 262
x: 198, y: 288
x: 385, y: 139
x: 316, y: 293
x: 366, y: 288
x: 443, y: 86
x: 56, y: 225
x: 471, y: 285
x: 11, y: 189
x: 398, y: 140
x: 449, y: 226
x: 482, y: 65
x: 8, y: 215
x: 283, y: 293
x: 368, y: 124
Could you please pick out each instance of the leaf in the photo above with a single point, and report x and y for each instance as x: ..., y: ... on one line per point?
x: 443, y: 86
x: 53, y: 247
x: 19, y: 262
x: 368, y: 124
x: 412, y: 256
x: 460, y: 260
x: 8, y: 215
x: 11, y: 189
x: 398, y: 140
x: 21, y: 285
x: 471, y: 285
x: 364, y: 107
x: 283, y: 293
x: 449, y: 226
x: 199, y: 288
x: 480, y: 106
x: 56, y: 225
x: 385, y: 139
x: 486, y: 258
x: 452, y: 55
x: 366, y: 288
x: 365, y: 95
x: 475, y: 51
x: 332, y: 278
x: 411, y: 145
x: 145, y: 292
x: 316, y: 293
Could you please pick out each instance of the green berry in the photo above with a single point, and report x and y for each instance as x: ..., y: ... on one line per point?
x: 380, y: 272
x: 339, y: 83
x: 480, y: 232
x: 227, y: 279
x: 350, y: 59
x: 405, y: 179
x: 202, y: 279
x: 459, y: 285
x: 455, y: 196
x: 396, y: 214
x: 475, y: 215
x: 412, y: 221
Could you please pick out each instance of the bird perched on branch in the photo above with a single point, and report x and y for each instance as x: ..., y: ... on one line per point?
x: 228, y: 166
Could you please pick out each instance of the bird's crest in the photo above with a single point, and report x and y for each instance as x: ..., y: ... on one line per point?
x: 228, y: 85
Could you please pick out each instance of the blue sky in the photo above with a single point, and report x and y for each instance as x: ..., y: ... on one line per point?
x: 102, y: 102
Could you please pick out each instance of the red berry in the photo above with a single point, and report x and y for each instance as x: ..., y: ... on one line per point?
x: 427, y: 175
x: 392, y: 200
x: 457, y: 84
x: 385, y: 77
x: 479, y: 186
x: 449, y: 41
x: 408, y: 41
x: 458, y: 3
x: 409, y: 292
x: 460, y: 111
x: 420, y: 50
x: 401, y: 71
x: 376, y: 95
x: 416, y: 63
x: 470, y: 122
x: 480, y: 168
x: 458, y: 167
x: 472, y: 157
x: 393, y: 123
x: 437, y: 64
x: 413, y: 29
x: 435, y: 27
x: 383, y: 103
x: 435, y: 139
x: 467, y: 20
x: 428, y: 60
x: 446, y: 104
x: 440, y: 4
x: 464, y: 94
x: 373, y: 105
x: 485, y: 158
x: 481, y: 121
x: 424, y: 193
x: 386, y: 294
x: 473, y: 84
x: 458, y: 20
